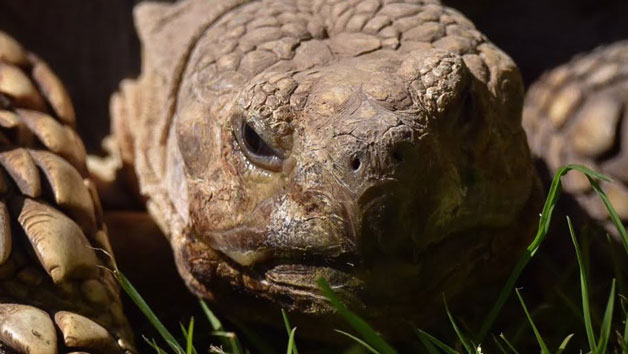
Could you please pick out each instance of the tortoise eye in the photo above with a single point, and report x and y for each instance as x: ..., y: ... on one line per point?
x: 258, y: 151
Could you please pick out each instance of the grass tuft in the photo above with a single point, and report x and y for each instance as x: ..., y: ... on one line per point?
x: 544, y: 224
x: 605, y: 331
x: 291, y: 345
x: 189, y: 334
x: 292, y: 348
x: 584, y: 290
x: 146, y: 310
x: 466, y: 343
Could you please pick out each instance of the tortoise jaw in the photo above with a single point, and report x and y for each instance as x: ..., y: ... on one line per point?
x: 246, y: 247
x: 315, y: 239
x: 286, y: 281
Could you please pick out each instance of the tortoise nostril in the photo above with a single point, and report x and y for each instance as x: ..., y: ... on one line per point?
x: 355, y: 163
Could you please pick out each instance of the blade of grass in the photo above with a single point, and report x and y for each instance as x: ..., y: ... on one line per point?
x: 538, y: 336
x: 229, y: 340
x: 584, y: 243
x: 605, y: 331
x: 612, y: 213
x: 509, y: 349
x: 564, y: 343
x: 188, y: 335
x: 358, y: 340
x: 523, y: 325
x: 502, y: 336
x: 584, y: 289
x: 468, y: 346
x: 364, y: 329
x: 499, y: 345
x: 189, y: 347
x: 428, y: 345
x: 286, y: 322
x: 544, y: 223
x: 146, y: 310
x: 620, y: 229
x: 154, y: 345
x: 213, y: 320
x: 291, y: 342
x: 177, y: 351
x: 424, y: 336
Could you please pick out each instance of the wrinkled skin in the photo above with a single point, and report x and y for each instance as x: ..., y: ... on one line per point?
x: 378, y: 146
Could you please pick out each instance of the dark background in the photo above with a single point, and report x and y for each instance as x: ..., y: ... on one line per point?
x: 92, y: 45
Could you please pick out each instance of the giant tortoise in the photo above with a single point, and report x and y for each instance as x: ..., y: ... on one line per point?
x: 376, y: 144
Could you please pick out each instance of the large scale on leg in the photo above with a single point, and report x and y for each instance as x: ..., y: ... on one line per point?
x: 57, y: 292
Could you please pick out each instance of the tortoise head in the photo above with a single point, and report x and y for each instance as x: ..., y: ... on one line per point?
x: 392, y: 168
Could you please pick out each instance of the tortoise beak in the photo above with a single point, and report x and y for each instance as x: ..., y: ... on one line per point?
x: 282, y: 229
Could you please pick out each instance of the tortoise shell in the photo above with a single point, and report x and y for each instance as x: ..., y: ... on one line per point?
x: 578, y: 113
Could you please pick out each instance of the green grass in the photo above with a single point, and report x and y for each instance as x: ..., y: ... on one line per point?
x: 292, y: 346
x: 537, y: 334
x: 369, y: 339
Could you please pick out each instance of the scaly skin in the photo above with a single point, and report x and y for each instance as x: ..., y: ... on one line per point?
x: 376, y: 145
x: 578, y: 113
x: 56, y: 293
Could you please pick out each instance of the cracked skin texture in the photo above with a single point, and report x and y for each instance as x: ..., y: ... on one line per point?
x: 375, y: 143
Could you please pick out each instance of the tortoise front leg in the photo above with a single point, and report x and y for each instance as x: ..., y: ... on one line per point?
x: 57, y: 291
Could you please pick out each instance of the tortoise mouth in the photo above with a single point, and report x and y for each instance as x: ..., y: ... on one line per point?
x: 288, y: 279
x: 245, y: 249
x: 249, y: 247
